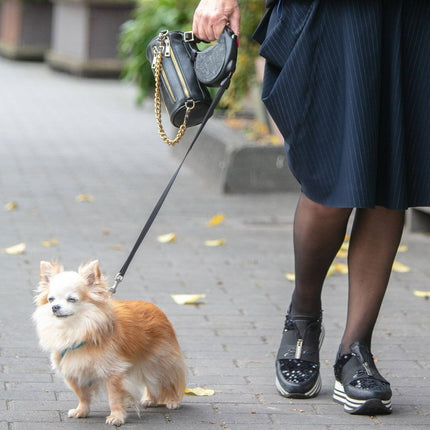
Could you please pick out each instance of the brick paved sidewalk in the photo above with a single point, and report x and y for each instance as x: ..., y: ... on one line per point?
x: 61, y: 136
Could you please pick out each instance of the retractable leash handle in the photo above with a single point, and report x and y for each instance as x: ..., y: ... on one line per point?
x: 120, y: 275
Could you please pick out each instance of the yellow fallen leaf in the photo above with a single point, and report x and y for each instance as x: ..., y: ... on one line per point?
x: 10, y: 206
x: 84, y: 198
x: 166, y: 238
x: 260, y: 127
x: 340, y: 268
x: 106, y: 232
x: 15, y: 249
x: 400, y: 267
x: 331, y: 271
x: 215, y: 220
x: 235, y: 123
x: 290, y: 276
x: 402, y: 248
x: 275, y: 140
x: 187, y: 299
x: 344, y: 246
x: 342, y: 254
x: 49, y: 243
x: 424, y: 294
x: 216, y: 242
x: 117, y: 247
x: 199, y: 391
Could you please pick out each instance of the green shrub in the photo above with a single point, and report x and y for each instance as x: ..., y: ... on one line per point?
x: 152, y: 16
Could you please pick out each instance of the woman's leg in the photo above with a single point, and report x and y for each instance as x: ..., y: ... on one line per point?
x: 375, y: 237
x: 319, y: 231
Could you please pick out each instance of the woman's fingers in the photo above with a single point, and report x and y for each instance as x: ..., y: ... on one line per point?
x: 211, y: 16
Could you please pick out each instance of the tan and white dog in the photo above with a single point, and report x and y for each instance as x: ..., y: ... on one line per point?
x: 130, y: 347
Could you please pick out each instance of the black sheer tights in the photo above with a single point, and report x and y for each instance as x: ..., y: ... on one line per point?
x: 318, y: 234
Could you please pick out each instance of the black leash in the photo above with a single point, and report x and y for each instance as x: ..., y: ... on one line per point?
x: 120, y: 275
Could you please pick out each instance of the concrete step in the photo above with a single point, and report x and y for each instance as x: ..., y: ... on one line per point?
x: 418, y: 220
x: 230, y: 162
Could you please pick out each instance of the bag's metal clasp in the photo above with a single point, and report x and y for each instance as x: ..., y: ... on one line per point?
x: 162, y: 35
x: 164, y: 43
x: 188, y: 36
x: 190, y: 104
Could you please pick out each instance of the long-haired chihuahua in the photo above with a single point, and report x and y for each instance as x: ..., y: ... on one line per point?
x: 130, y: 347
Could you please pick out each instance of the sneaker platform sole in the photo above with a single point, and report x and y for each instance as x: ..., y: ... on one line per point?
x: 360, y: 407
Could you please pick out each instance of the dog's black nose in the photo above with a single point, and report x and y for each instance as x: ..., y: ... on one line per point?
x: 56, y: 308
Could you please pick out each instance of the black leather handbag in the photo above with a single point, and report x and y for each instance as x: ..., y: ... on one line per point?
x: 182, y: 74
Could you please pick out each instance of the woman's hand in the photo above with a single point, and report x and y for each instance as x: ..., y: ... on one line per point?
x: 211, y: 16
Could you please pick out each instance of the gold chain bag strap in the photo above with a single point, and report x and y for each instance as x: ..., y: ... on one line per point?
x: 172, y: 54
x: 157, y: 103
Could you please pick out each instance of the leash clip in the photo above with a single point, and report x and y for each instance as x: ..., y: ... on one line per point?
x: 118, y: 280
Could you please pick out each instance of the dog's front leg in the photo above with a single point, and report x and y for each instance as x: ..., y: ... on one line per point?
x: 84, y: 397
x: 116, y: 395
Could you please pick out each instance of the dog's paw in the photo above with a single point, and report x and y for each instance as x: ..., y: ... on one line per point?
x: 116, y: 419
x: 148, y: 403
x: 78, y: 413
x: 173, y: 405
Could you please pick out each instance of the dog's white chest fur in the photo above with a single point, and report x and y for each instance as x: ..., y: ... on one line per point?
x: 89, y: 367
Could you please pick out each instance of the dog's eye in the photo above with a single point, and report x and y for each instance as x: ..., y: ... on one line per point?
x: 50, y: 299
x: 72, y: 299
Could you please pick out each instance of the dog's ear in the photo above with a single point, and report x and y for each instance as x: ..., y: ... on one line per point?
x: 48, y: 270
x: 91, y: 273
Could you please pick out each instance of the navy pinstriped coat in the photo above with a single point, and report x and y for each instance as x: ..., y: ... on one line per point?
x: 348, y: 84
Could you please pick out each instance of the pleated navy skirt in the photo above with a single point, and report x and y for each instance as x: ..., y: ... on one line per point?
x: 348, y: 84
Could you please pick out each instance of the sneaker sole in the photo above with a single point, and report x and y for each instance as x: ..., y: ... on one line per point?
x: 314, y: 391
x: 360, y: 407
x: 311, y: 393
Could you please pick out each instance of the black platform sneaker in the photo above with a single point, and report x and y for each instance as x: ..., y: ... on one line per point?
x: 297, y: 362
x: 359, y: 387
